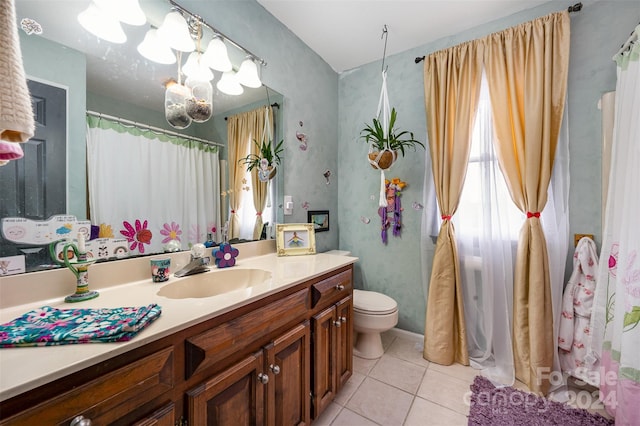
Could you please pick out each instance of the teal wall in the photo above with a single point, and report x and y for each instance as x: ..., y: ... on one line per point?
x: 333, y: 108
x: 596, y: 34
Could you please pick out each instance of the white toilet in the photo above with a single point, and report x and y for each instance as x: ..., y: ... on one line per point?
x: 373, y: 313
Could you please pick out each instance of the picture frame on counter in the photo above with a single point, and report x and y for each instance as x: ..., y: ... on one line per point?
x: 293, y: 239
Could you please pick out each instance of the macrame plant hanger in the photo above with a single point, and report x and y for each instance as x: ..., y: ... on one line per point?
x: 383, y: 115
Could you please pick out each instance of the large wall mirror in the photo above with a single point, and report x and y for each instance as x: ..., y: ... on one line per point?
x: 86, y: 73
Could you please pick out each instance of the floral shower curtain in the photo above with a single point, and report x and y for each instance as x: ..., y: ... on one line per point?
x: 616, y: 316
x: 151, y: 188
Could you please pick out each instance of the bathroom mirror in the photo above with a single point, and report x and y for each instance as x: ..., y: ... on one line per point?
x: 118, y: 82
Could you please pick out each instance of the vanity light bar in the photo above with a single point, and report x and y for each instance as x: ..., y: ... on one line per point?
x: 217, y: 32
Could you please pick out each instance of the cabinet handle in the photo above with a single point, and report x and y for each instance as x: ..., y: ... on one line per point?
x: 263, y: 378
x: 80, y: 421
x: 337, y: 324
x: 275, y: 368
x: 343, y: 319
x: 339, y: 287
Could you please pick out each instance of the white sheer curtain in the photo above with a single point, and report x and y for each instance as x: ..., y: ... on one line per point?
x: 487, y: 226
x: 616, y: 314
x: 151, y: 188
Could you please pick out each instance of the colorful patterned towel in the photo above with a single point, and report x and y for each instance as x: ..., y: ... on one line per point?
x: 50, y: 326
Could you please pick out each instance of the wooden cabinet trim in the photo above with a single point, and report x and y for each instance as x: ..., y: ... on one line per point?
x: 212, y: 346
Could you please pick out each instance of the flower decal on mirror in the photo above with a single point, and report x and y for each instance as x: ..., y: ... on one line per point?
x: 225, y: 255
x: 137, y: 236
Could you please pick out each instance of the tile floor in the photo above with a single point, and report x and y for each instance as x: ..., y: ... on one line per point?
x: 402, y: 388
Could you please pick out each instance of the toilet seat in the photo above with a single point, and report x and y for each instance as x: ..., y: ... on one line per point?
x: 373, y: 303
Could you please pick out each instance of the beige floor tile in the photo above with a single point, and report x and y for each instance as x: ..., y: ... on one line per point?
x: 349, y: 388
x: 380, y: 402
x: 328, y: 415
x: 363, y: 366
x: 387, y: 339
x: 445, y: 390
x: 349, y: 418
x: 458, y: 371
x: 399, y: 373
x: 409, y: 350
x: 426, y: 413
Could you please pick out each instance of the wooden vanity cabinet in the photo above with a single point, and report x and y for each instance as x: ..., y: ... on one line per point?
x: 332, y: 325
x: 278, y: 361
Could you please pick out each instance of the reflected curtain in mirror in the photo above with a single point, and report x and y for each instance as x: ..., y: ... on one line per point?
x: 243, y: 129
x: 150, y: 187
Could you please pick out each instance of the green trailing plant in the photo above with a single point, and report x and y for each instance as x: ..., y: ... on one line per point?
x: 393, y: 140
x: 272, y: 156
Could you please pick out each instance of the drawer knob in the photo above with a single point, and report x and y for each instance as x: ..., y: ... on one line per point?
x: 80, y: 421
x: 337, y: 324
x: 263, y: 378
x: 275, y: 368
x: 339, y: 287
x: 343, y: 319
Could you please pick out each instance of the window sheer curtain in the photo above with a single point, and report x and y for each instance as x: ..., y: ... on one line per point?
x: 526, y: 68
x: 151, y: 188
x: 487, y: 228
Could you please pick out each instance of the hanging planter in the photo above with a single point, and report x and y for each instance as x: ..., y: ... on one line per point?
x: 382, y: 160
x: 266, y: 161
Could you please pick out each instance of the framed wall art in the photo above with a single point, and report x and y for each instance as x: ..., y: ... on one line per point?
x: 319, y: 219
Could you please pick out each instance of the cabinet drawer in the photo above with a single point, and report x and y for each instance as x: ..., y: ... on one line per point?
x: 214, y: 345
x: 331, y: 289
x: 104, y: 399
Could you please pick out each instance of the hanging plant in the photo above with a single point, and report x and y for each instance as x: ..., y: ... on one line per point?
x: 266, y: 161
x: 386, y: 145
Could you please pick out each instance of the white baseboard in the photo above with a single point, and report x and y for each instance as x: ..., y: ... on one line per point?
x: 398, y: 332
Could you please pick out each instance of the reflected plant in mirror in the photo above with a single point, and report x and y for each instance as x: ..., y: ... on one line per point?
x: 158, y: 189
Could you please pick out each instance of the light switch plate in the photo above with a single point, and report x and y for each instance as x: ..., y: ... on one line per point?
x: 288, y: 205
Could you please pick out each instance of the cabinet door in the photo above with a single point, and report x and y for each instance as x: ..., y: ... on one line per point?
x: 323, y: 346
x: 288, y: 364
x: 233, y: 397
x: 344, y: 341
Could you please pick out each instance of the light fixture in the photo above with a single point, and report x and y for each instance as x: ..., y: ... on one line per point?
x: 195, y: 67
x: 229, y: 85
x: 102, y: 24
x: 175, y: 32
x: 216, y: 56
x: 127, y: 11
x: 155, y: 50
x: 248, y: 73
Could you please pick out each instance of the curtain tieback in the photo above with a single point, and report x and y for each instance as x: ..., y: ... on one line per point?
x: 258, y: 213
x: 530, y: 215
x: 446, y: 217
x: 233, y: 212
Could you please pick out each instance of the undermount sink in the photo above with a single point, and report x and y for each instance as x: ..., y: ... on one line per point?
x: 214, y: 283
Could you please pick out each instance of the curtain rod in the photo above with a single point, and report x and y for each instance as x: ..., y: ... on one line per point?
x: 152, y: 128
x: 216, y: 31
x: 273, y: 105
x: 575, y: 8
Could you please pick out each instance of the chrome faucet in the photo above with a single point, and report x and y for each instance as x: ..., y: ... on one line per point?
x: 199, y: 262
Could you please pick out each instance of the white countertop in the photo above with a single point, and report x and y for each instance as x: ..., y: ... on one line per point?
x: 22, y: 369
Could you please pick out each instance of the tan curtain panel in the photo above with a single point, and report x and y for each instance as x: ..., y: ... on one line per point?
x: 240, y: 131
x: 261, y: 189
x: 526, y: 67
x: 452, y: 87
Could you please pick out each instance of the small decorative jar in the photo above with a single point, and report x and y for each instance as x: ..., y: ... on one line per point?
x: 175, y: 105
x: 199, y: 104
